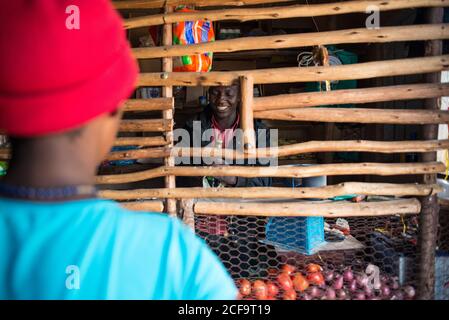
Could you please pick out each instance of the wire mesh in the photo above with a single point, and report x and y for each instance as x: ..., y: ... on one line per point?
x: 355, y: 258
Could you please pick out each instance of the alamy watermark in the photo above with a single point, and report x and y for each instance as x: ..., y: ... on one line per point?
x: 373, y: 20
x: 73, y: 21
x: 208, y: 151
x: 72, y: 281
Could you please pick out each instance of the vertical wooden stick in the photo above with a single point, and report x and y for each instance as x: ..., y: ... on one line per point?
x: 246, y: 113
x: 430, y: 210
x: 189, y: 215
x: 167, y: 91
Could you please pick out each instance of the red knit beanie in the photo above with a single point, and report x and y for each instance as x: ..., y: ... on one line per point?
x: 57, y: 72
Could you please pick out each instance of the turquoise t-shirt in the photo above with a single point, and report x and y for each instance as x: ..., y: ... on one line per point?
x: 95, y: 249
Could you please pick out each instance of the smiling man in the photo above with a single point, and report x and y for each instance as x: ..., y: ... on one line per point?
x: 218, y: 126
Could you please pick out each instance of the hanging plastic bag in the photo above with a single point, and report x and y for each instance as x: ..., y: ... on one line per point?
x: 192, y: 32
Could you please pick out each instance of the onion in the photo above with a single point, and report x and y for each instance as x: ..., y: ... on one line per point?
x: 368, y: 291
x: 362, y: 280
x: 330, y: 294
x: 352, y: 286
x: 385, y: 291
x: 341, y: 294
x: 409, y: 292
x: 359, y: 296
x: 329, y: 276
x: 397, y: 295
x: 315, y: 292
x: 348, y: 275
x: 306, y: 296
x: 394, y: 283
x: 338, y: 283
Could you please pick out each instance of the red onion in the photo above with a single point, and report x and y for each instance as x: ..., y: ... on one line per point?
x: 383, y: 279
x: 341, y: 294
x: 338, y: 283
x: 409, y: 292
x: 306, y: 296
x: 359, y: 296
x: 385, y: 291
x: 368, y: 291
x: 329, y: 276
x: 397, y: 295
x: 362, y: 280
x: 348, y: 275
x: 330, y: 294
x: 315, y: 292
x: 394, y: 283
x: 352, y: 286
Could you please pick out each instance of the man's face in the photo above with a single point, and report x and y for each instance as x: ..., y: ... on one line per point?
x: 224, y: 100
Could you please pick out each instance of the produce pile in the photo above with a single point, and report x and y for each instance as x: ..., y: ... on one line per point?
x: 315, y: 283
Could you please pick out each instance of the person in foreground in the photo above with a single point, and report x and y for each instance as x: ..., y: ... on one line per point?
x: 60, y: 95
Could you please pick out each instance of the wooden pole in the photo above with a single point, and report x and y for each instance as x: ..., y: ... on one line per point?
x: 310, y: 209
x: 141, y: 141
x: 430, y: 210
x: 351, y: 96
x: 359, y: 115
x: 381, y: 169
x: 374, y: 189
x: 153, y: 104
x: 152, y: 125
x: 167, y: 92
x: 147, y: 206
x: 148, y: 153
x: 269, y: 13
x: 360, y: 35
x: 262, y: 153
x: 317, y: 146
x: 366, y: 70
x: 188, y: 214
x: 246, y: 113
x: 153, y: 4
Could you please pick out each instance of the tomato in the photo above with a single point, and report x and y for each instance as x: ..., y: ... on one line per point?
x: 288, y: 269
x: 272, y: 289
x: 272, y: 272
x: 289, y: 295
x: 244, y: 287
x: 284, y: 281
x: 315, y: 278
x: 313, y: 267
x: 300, y: 283
x: 260, y: 290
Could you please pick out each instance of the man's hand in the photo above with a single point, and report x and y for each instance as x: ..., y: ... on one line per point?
x: 228, y: 181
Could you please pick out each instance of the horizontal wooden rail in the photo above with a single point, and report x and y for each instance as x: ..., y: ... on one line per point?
x: 148, y: 206
x: 294, y: 11
x: 369, y: 95
x: 375, y: 189
x: 381, y: 169
x: 358, y: 115
x: 310, y: 209
x: 153, y: 125
x: 149, y: 153
x: 317, y: 146
x: 154, y: 104
x: 367, y: 70
x: 361, y: 35
x: 141, y: 141
x: 282, y: 151
x: 153, y: 4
